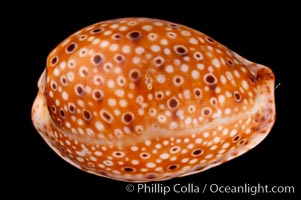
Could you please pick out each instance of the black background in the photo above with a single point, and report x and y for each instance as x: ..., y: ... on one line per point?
x: 264, y: 34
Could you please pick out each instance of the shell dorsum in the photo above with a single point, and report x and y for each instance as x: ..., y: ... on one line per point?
x: 138, y: 99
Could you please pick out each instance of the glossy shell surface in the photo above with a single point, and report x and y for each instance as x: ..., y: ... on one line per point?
x: 138, y: 99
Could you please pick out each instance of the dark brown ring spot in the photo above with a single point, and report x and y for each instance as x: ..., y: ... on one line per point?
x: 97, y: 59
x: 63, y: 80
x: 159, y: 95
x: 237, y: 96
x: 151, y: 176
x: 71, y: 108
x: 62, y: 113
x: 54, y: 60
x: 116, y: 36
x: 252, y: 79
x: 128, y: 118
x: 134, y: 75
x: 103, y: 173
x: 174, y: 149
x: 97, y: 95
x: 172, y: 167
x: 97, y: 30
x: 210, y: 40
x: 173, y: 103
x: 178, y: 80
x: 53, y: 109
x: 87, y: 115
x: 230, y: 63
x: 197, y: 93
x: 241, y: 142
x: 173, y: 26
x: 236, y: 138
x: 210, y: 79
x: 71, y: 48
x: 206, y: 111
x: 84, y: 71
x: 119, y: 58
x: 198, y: 56
x: 135, y: 35
x: 180, y: 50
x: 106, y: 116
x: 53, y: 85
x: 145, y: 155
x: 128, y: 169
x: 79, y: 90
x: 197, y: 152
x: 82, y: 37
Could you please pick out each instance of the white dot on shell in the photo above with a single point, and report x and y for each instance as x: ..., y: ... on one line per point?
x: 123, y: 103
x: 158, y: 23
x: 164, y: 42
x: 65, y: 95
x: 80, y: 159
x: 216, y: 63
x: 245, y: 84
x: 167, y: 51
x: 173, y: 125
x: 136, y: 60
x: 193, y: 41
x: 209, y: 156
x: 99, y: 126
x: 193, y: 161
x: 126, y: 49
x: 225, y: 145
x: 200, y: 66
x: 104, y: 44
x: 236, y: 73
x: 110, y: 83
x: 119, y: 92
x: 216, y: 139
x: 155, y: 48
x: 123, y: 28
x: 56, y: 72
x: 161, y: 118
x: 169, y: 69
x: 139, y: 50
x: 135, y: 162
x: 221, y: 99
x: 147, y: 143
x: 114, y: 47
x: 114, y: 26
x: 184, y: 160
x: 164, y: 156
x: 225, y: 131
x: 227, y: 111
x: 134, y: 148
x: 150, y: 165
x: 161, y: 78
x: 233, y: 132
x: 198, y: 141
x: 184, y: 68
x: 147, y: 27
x: 205, y: 135
x: 105, y: 33
x: 111, y: 102
x: 195, y: 74
x: 70, y: 76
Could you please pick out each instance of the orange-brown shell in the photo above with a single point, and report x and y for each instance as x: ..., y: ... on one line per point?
x: 140, y: 99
